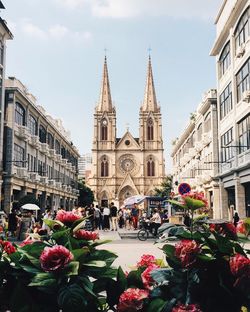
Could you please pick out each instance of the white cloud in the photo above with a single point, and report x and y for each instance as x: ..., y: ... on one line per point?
x: 134, y: 8
x: 58, y: 31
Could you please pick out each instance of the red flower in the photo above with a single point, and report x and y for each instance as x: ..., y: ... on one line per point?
x: 131, y: 300
x: 187, y: 251
x: 196, y: 195
x: 86, y: 235
x: 27, y: 242
x: 226, y: 229
x: 7, y: 247
x: 146, y: 260
x: 146, y: 275
x: 240, y: 266
x: 184, y: 308
x: 241, y: 228
x: 67, y: 217
x: 55, y: 258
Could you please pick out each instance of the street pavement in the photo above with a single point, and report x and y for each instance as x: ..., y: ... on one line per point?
x: 129, y: 251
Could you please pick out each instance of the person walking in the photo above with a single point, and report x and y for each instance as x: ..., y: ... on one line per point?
x: 114, y: 215
x: 106, y: 213
x: 236, y: 218
x: 134, y: 214
x: 97, y: 217
x: 12, y: 222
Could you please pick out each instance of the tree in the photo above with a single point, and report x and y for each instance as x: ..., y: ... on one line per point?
x: 86, y: 196
x: 165, y: 188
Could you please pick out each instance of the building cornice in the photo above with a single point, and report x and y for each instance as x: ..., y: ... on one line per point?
x: 187, y: 131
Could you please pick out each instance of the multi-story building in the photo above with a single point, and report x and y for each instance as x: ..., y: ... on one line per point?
x: 5, y: 35
x: 84, y: 165
x: 232, y: 52
x: 126, y: 166
x: 39, y: 157
x: 195, y: 152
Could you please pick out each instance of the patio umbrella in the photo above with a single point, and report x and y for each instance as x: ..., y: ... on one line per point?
x: 32, y: 207
x: 136, y: 199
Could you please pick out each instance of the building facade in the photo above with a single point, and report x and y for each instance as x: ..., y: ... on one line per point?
x: 195, y: 152
x: 39, y: 157
x: 84, y: 166
x: 232, y: 52
x: 5, y: 35
x: 126, y: 166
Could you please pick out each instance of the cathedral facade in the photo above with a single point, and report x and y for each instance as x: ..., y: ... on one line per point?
x: 126, y: 166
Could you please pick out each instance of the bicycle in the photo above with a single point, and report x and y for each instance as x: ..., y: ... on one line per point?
x: 144, y: 233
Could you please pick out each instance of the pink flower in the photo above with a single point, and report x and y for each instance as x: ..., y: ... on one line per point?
x: 196, y: 195
x: 7, y: 247
x: 27, y: 242
x: 67, y: 217
x: 240, y: 265
x: 185, y: 308
x: 146, y: 275
x: 55, y: 258
x: 187, y: 251
x: 131, y: 300
x: 146, y: 260
x: 86, y: 235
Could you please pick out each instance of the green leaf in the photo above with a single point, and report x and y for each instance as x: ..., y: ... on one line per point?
x: 72, y: 298
x: 60, y: 233
x: 194, y: 204
x: 43, y: 280
x: 52, y: 223
x: 162, y: 276
x: 134, y: 279
x: 169, y: 250
x: 80, y: 254
x: 95, y: 263
x: 72, y: 268
x: 103, y: 255
x: 87, y: 286
x: 177, y: 203
x: 156, y: 305
x: 78, y: 224
x: 206, y: 257
x: 121, y: 279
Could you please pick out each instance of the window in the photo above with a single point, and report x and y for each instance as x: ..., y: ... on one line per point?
x: 50, y: 141
x: 32, y: 125
x: 225, y: 59
x: 63, y: 152
x: 207, y: 123
x: 244, y: 134
x: 150, y: 129
x: 242, y: 30
x: 104, y: 130
x: 150, y: 167
x: 226, y: 142
x: 104, y: 167
x: 242, y: 80
x: 1, y: 52
x: 42, y: 134
x: 226, y: 104
x: 19, y: 114
x: 199, y: 132
x: 57, y: 147
x: 18, y: 156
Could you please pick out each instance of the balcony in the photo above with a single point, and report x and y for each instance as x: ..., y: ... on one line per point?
x: 22, y: 132
x: 244, y: 158
x: 58, y: 158
x: 44, y: 148
x: 52, y: 153
x: 34, y: 177
x: 52, y: 183
x: 34, y: 141
x: 59, y: 185
x: 198, y: 147
x: 64, y: 187
x: 64, y: 162
x: 21, y: 172
x: 44, y: 180
x: 69, y: 189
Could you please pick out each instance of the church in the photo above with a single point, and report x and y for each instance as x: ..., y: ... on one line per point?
x: 126, y: 166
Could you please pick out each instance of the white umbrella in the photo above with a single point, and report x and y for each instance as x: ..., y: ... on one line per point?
x: 136, y: 199
x: 30, y: 207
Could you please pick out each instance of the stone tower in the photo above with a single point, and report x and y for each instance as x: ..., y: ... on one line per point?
x: 126, y: 166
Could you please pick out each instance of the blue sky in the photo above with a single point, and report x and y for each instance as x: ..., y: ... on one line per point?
x: 58, y: 52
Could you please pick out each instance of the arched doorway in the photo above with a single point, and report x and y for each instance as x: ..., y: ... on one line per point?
x: 126, y: 192
x: 104, y: 199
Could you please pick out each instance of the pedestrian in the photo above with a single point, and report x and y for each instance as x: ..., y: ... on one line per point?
x: 47, y: 216
x: 97, y: 217
x: 156, y: 221
x: 91, y: 215
x: 120, y: 218
x: 106, y: 213
x: 236, y: 218
x: 114, y: 215
x: 127, y: 218
x: 134, y: 214
x: 12, y: 222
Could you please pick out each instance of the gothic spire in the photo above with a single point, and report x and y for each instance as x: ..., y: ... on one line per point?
x: 149, y: 102
x: 105, y: 101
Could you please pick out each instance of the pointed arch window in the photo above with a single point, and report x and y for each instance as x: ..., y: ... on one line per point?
x: 150, y: 129
x: 150, y: 167
x: 104, y: 167
x: 104, y: 130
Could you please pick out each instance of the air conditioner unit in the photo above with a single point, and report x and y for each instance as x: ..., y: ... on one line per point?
x: 22, y: 172
x: 246, y: 96
x: 240, y: 51
x: 44, y: 180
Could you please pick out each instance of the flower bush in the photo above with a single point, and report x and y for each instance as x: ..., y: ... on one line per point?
x: 60, y: 271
